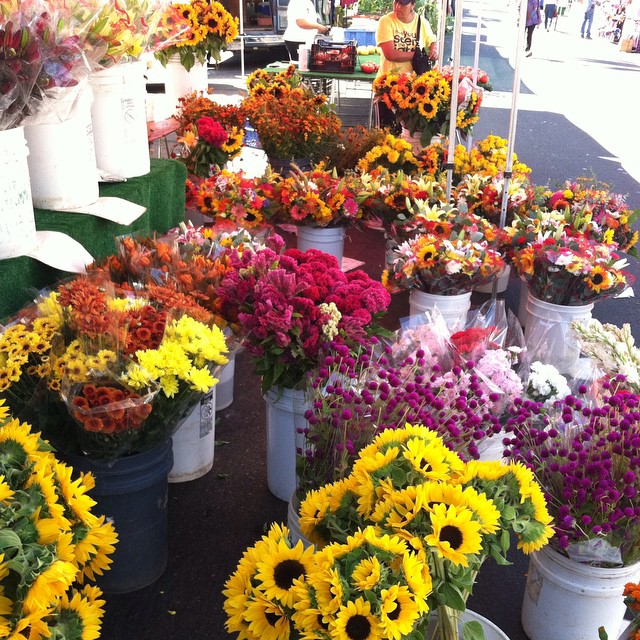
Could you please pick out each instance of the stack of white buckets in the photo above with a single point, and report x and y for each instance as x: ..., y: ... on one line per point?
x: 98, y: 124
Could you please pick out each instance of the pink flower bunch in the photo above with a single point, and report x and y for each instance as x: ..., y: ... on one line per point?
x: 290, y: 305
x: 211, y: 132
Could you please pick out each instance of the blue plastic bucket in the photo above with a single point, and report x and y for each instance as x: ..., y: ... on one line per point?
x: 132, y: 492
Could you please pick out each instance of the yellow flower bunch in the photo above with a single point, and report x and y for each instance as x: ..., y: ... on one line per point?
x: 201, y: 29
x: 403, y: 535
x: 54, y: 543
x: 488, y: 157
x: 393, y: 154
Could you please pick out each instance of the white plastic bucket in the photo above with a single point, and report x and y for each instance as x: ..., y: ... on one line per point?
x: 285, y: 410
x: 119, y: 120
x: 491, y: 631
x: 17, y: 222
x: 453, y: 308
x: 180, y: 82
x: 194, y: 442
x: 62, y: 159
x: 568, y: 600
x: 224, y: 388
x: 293, y: 522
x: 503, y: 282
x: 303, y: 58
x: 327, y: 239
x: 548, y: 334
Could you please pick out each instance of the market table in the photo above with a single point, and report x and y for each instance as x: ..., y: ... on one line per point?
x: 356, y: 75
x: 161, y: 191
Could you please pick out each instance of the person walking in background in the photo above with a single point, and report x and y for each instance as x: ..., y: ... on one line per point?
x: 588, y: 19
x: 550, y: 9
x: 533, y: 20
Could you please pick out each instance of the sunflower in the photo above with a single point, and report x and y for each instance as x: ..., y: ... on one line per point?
x: 599, y: 279
x: 267, y: 620
x: 366, y: 574
x: 278, y: 571
x: 399, y: 612
x: 455, y: 534
x: 355, y: 621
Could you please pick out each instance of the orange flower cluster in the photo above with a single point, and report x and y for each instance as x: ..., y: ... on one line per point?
x: 292, y: 122
x: 123, y: 412
x: 145, y: 329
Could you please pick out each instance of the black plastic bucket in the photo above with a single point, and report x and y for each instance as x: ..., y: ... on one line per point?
x: 132, y: 492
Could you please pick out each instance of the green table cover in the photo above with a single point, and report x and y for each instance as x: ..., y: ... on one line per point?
x: 161, y: 191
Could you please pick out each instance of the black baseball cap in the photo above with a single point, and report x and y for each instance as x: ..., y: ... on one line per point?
x: 405, y: 2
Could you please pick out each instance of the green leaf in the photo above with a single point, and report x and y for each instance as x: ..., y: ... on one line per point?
x: 472, y: 631
x: 9, y: 539
x: 453, y: 597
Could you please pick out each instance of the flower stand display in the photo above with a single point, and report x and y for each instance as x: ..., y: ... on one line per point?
x: 118, y: 116
x: 576, y: 598
x: 453, y: 308
x: 17, y: 219
x: 180, y: 82
x: 327, y: 239
x: 285, y: 425
x: 132, y: 492
x: 548, y: 333
x: 62, y: 158
x: 194, y: 442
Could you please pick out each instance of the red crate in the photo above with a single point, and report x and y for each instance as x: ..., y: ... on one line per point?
x: 333, y: 57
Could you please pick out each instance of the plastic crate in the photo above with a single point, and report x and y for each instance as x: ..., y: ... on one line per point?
x: 361, y: 37
x: 333, y: 57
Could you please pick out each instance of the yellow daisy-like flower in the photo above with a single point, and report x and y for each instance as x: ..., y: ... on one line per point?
x: 278, y: 571
x: 6, y: 492
x: 87, y: 607
x: 599, y: 279
x: 366, y: 574
x: 354, y: 621
x: 455, y: 534
x: 49, y: 586
x: 399, y: 612
x: 266, y: 620
x: 416, y: 573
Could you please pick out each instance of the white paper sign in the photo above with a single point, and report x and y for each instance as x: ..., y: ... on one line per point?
x: 61, y: 251
x: 114, y: 209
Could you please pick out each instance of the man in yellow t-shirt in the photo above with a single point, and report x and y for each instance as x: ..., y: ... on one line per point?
x: 396, y: 37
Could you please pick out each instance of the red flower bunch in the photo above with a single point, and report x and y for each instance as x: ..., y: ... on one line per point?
x: 290, y: 305
x: 145, y: 329
x: 107, y: 409
x: 473, y: 341
x: 211, y: 132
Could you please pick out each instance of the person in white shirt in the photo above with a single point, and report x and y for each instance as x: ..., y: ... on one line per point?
x: 302, y: 26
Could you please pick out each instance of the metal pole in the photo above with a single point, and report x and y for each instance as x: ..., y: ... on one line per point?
x: 241, y: 27
x: 442, y: 28
x: 513, y: 120
x: 476, y: 62
x: 457, y: 39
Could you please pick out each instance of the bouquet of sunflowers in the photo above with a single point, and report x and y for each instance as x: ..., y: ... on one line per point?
x: 399, y: 540
x: 205, y: 27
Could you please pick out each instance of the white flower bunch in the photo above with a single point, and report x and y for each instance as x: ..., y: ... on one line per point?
x: 613, y: 348
x: 546, y: 384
